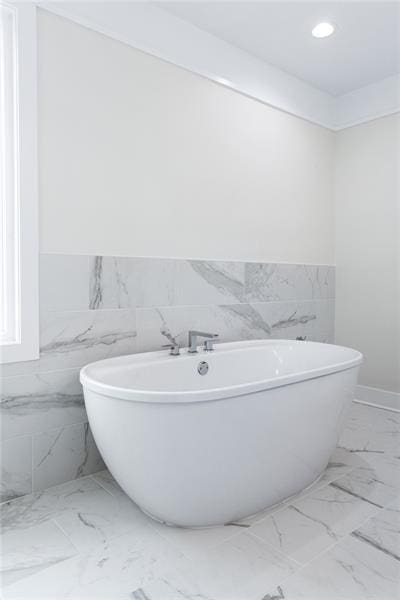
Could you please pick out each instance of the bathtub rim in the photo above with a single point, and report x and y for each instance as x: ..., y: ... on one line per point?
x: 192, y: 396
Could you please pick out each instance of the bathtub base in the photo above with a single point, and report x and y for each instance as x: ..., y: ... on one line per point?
x: 207, y: 464
x: 252, y: 516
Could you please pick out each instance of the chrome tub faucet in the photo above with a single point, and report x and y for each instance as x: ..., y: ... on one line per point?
x: 208, y: 344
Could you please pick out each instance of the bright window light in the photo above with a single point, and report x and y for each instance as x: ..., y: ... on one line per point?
x: 19, y: 318
x: 9, y: 196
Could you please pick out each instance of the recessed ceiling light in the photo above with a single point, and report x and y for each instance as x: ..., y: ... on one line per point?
x: 323, y: 30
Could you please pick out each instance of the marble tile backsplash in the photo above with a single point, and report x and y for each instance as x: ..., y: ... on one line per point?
x: 94, y: 307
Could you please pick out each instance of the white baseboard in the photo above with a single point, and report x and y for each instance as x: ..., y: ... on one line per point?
x: 378, y: 398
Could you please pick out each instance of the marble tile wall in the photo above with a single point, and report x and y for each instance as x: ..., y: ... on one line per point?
x: 93, y: 307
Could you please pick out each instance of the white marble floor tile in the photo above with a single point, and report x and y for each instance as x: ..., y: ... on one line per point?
x: 371, y: 430
x: 179, y: 589
x: 260, y: 516
x: 86, y: 512
x: 111, y: 571
x: 43, y: 506
x: 341, y: 511
x: 107, y: 481
x: 226, y: 569
x: 339, y: 466
x: 86, y: 539
x: 311, y: 525
x: 28, y: 551
x: 351, y: 570
x: 383, y: 531
x: 195, y: 542
x: 340, y: 463
x: 376, y: 478
x: 189, y: 589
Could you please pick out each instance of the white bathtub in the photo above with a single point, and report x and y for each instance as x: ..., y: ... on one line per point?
x: 198, y: 450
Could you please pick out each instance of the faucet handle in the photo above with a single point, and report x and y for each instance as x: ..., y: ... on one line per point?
x: 174, y: 348
x: 209, y: 343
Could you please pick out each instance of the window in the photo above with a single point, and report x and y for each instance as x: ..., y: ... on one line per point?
x: 18, y: 184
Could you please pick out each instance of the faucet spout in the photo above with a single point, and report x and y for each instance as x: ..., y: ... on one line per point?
x: 193, y: 335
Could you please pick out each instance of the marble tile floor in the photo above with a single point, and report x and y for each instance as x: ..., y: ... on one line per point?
x: 339, y: 539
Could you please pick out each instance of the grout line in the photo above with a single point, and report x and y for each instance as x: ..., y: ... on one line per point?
x: 32, y: 466
x: 279, y: 508
x: 306, y: 493
x: 186, y: 259
x: 235, y: 303
x: 36, y: 433
x: 45, y: 490
x: 60, y: 527
x: 34, y: 373
x: 374, y: 544
x: 92, y: 476
x: 351, y: 493
x: 16, y: 437
x: 341, y: 538
x: 135, y: 308
x: 92, y: 311
x: 326, y: 550
x: 177, y: 546
x: 373, y: 516
x: 277, y: 550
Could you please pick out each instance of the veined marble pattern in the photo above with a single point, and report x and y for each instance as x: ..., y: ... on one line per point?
x: 89, y: 306
x: 16, y: 468
x: 36, y: 403
x: 74, y: 338
x: 383, y: 530
x: 86, y: 539
x: 351, y: 570
x: 64, y: 454
x: 271, y: 282
x: 24, y: 553
x: 365, y: 438
x: 130, y: 282
x: 377, y: 479
x: 311, y: 525
x: 146, y: 282
x: 213, y: 282
x: 44, y: 398
x: 100, y: 282
x: 232, y: 322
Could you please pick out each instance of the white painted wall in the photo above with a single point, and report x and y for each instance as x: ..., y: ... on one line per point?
x: 154, y: 160
x: 368, y: 248
x: 140, y: 157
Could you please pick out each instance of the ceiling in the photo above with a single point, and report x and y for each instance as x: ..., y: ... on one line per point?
x: 365, y: 47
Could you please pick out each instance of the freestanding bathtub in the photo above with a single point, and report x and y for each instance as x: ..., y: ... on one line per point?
x: 198, y: 450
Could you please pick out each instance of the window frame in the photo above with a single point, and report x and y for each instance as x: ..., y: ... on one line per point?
x: 26, y: 256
